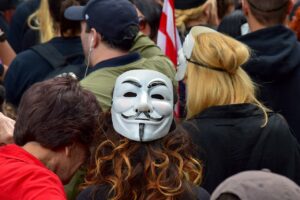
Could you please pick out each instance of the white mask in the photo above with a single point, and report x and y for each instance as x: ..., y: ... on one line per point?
x: 186, y: 51
x: 142, y: 107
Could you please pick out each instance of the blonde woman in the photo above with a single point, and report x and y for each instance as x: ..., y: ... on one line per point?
x: 233, y: 129
x: 42, y: 22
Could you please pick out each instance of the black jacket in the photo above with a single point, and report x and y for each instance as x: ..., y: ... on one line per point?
x: 275, y: 67
x: 230, y: 140
x: 102, y: 193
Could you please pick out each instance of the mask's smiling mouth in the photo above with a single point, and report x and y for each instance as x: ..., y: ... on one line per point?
x: 142, y: 119
x: 144, y: 116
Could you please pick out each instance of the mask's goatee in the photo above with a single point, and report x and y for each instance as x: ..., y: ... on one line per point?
x: 141, y: 131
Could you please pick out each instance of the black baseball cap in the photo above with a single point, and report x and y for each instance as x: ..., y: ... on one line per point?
x: 110, y: 18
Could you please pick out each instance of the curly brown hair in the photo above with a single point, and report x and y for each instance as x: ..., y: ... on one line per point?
x: 161, y: 169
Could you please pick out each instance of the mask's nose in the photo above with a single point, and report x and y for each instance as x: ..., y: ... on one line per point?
x: 143, y: 104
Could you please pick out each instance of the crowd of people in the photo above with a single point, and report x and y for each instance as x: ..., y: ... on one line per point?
x: 88, y: 101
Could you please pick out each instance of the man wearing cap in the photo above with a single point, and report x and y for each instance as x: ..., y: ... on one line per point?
x: 109, y: 32
x: 275, y: 63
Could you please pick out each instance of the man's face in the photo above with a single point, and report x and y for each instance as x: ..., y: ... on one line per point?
x: 142, y: 108
x: 85, y: 39
x: 69, y: 163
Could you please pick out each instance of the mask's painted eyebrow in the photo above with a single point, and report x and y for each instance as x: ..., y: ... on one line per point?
x: 156, y: 83
x: 133, y: 83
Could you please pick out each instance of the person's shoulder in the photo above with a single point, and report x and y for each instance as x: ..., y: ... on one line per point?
x: 278, y: 129
x: 201, y: 193
x: 32, y: 176
x: 277, y: 121
x: 94, y: 193
x: 26, y: 57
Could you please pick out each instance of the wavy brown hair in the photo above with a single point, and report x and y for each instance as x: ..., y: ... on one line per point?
x: 161, y: 169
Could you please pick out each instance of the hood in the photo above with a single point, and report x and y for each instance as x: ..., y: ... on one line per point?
x: 275, y: 53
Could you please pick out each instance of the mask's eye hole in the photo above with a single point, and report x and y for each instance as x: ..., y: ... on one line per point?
x: 130, y: 94
x: 157, y: 96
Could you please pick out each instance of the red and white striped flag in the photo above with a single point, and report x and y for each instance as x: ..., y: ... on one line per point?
x: 168, y: 38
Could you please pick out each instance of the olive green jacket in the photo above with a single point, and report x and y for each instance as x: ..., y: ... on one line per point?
x: 101, y: 81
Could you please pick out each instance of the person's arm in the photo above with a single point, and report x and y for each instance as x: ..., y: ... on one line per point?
x: 6, y: 130
x: 7, y: 54
x: 3, y: 70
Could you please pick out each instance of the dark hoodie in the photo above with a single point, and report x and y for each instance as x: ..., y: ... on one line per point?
x: 231, y: 139
x: 275, y: 67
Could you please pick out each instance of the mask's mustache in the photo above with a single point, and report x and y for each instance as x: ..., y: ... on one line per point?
x: 146, y: 114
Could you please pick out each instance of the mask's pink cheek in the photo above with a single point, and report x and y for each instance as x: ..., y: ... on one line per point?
x: 163, y: 107
x: 123, y: 104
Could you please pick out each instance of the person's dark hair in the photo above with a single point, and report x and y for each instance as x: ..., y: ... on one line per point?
x: 57, y: 113
x: 224, y: 7
x: 7, y: 4
x: 161, y: 169
x: 151, y: 9
x: 123, y: 44
x: 270, y: 12
x: 231, y: 24
x: 57, y: 9
x: 228, y: 196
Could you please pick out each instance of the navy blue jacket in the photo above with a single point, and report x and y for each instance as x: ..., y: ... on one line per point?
x: 29, y: 67
x: 275, y: 67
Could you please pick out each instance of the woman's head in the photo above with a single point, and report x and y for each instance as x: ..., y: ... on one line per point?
x: 149, y: 16
x: 161, y: 169
x: 139, y: 155
x: 66, y: 27
x: 50, y: 21
x: 214, y: 70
